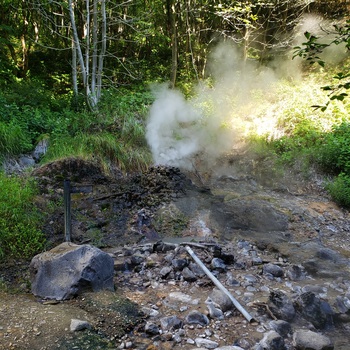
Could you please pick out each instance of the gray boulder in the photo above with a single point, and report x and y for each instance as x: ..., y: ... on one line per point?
x: 274, y: 270
x: 41, y: 149
x: 281, y: 306
x: 219, y: 297
x: 308, y: 340
x: 315, y: 310
x: 69, y: 269
x: 171, y: 323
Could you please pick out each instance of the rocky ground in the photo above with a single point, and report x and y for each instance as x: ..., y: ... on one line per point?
x: 275, y: 241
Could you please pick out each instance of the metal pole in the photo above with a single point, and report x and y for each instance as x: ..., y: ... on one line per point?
x: 67, y: 213
x: 239, y: 307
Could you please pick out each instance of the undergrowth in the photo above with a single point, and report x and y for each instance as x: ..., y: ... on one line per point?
x: 113, y: 135
x: 307, y: 137
x: 20, y: 220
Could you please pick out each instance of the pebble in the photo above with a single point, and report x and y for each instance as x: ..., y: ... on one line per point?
x: 272, y: 341
x: 206, y: 343
x: 170, y: 322
x: 272, y: 269
x: 196, y: 317
x: 151, y: 328
x: 79, y: 325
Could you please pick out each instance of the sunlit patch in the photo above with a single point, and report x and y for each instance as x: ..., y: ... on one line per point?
x: 241, y: 101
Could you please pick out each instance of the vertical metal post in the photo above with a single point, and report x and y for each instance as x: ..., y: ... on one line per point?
x: 67, y: 213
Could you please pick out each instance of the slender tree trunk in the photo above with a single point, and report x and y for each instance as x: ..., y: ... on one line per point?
x: 74, y: 71
x: 24, y: 63
x: 94, y: 52
x: 189, y: 48
x: 87, y: 49
x: 172, y: 21
x: 103, y: 49
x: 77, y: 43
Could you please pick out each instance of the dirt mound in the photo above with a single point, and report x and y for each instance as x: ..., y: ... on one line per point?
x: 72, y: 168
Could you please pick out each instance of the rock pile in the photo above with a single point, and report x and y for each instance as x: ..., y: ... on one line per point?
x: 185, y: 311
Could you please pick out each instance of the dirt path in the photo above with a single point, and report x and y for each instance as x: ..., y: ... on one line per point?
x: 26, y: 323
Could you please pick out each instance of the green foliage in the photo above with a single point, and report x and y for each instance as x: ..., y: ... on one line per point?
x: 170, y: 221
x: 115, y: 135
x: 333, y: 154
x: 340, y: 190
x: 13, y: 140
x: 20, y: 235
x: 329, y: 151
x: 103, y: 146
x: 311, y: 51
x: 306, y: 138
x: 24, y: 120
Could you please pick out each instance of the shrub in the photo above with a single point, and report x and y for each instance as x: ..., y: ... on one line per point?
x: 333, y: 154
x: 20, y: 235
x: 339, y: 189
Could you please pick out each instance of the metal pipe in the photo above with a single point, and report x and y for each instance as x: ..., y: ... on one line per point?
x: 239, y: 307
x: 67, y: 213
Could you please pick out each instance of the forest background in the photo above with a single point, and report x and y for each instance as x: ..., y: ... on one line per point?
x: 129, y: 83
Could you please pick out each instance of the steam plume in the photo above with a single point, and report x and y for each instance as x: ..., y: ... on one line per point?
x: 207, y: 125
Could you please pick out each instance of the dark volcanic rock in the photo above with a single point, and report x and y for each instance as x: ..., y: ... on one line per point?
x: 196, y: 317
x: 272, y: 341
x: 283, y: 328
x: 188, y: 275
x: 318, y: 312
x: 281, y: 306
x: 68, y: 270
x: 171, y: 323
x: 273, y: 269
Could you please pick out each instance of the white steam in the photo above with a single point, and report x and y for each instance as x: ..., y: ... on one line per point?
x: 172, y: 129
x: 242, y: 98
x: 208, y: 125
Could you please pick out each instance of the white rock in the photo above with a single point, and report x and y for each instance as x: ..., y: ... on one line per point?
x: 79, y: 325
x: 185, y: 298
x: 206, y: 343
x: 303, y: 339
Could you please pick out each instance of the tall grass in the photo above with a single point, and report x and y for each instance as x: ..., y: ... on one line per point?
x: 113, y: 136
x: 106, y: 148
x: 13, y: 140
x: 20, y: 235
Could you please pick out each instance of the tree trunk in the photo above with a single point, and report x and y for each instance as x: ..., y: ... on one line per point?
x: 74, y: 71
x: 172, y: 24
x: 94, y: 53
x: 103, y: 49
x: 77, y: 42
